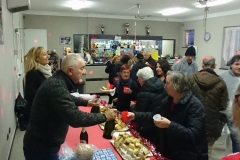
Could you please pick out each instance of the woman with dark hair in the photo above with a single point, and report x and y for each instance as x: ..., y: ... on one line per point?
x: 126, y: 89
x: 124, y: 60
x: 161, y: 69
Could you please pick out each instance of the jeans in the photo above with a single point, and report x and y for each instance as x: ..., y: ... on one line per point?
x: 35, y: 155
x: 235, y: 144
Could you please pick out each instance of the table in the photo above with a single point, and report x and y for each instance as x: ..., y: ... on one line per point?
x: 94, y: 136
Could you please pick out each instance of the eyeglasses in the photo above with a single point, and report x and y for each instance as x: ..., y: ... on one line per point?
x: 237, y: 99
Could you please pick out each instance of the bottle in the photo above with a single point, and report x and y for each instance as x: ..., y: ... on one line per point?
x: 83, y: 136
x: 108, y: 128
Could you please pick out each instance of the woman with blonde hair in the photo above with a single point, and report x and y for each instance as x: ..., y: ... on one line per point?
x: 36, y: 71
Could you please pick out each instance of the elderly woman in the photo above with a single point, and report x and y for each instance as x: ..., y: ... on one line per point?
x: 149, y: 98
x: 161, y: 68
x: 126, y: 89
x: 181, y: 133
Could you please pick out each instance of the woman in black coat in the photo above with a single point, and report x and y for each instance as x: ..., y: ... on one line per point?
x: 181, y: 133
x: 36, y: 70
x: 126, y: 89
x: 149, y: 98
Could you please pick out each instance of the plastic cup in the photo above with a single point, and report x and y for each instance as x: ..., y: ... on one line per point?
x: 157, y: 117
x: 125, y: 89
x: 124, y: 115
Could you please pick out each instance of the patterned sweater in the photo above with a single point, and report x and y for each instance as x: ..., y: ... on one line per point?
x: 53, y: 110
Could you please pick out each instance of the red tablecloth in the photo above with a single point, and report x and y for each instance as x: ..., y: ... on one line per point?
x: 94, y: 136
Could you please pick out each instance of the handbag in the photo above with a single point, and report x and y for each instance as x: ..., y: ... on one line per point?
x: 19, y: 108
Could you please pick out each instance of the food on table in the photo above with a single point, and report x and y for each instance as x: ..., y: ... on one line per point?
x: 103, y: 109
x: 127, y: 144
x: 105, y: 88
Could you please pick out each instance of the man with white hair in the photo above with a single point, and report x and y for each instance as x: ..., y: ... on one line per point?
x: 149, y: 61
x: 54, y: 109
x: 148, y: 99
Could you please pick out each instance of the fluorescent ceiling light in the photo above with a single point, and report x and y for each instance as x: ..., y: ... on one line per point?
x: 212, y: 3
x: 172, y: 11
x: 78, y: 4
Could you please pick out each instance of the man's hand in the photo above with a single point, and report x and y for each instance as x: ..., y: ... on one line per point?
x: 147, y: 63
x: 162, y: 123
x: 110, y: 114
x: 127, y: 91
x: 132, y: 103
x: 93, y: 102
x: 115, y: 100
x: 131, y: 115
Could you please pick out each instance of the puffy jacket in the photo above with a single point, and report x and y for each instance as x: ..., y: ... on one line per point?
x: 185, y: 137
x: 149, y: 98
x: 211, y: 90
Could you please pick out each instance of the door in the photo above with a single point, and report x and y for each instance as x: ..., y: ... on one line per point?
x: 34, y: 38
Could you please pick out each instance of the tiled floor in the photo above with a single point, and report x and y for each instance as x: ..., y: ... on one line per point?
x: 17, y: 151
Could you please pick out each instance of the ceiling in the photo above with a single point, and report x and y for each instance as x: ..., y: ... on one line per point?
x: 116, y: 8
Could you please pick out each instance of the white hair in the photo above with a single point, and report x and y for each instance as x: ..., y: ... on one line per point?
x: 145, y: 73
x: 70, y: 60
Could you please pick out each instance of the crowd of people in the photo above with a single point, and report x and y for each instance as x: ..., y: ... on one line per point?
x: 194, y: 104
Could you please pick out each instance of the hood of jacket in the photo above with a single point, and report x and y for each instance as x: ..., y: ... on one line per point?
x: 154, y: 85
x: 206, y: 78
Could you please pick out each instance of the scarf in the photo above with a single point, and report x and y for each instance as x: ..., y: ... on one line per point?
x: 45, y: 70
x: 125, y: 82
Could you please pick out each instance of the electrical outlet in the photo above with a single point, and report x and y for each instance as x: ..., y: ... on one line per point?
x: 9, y: 130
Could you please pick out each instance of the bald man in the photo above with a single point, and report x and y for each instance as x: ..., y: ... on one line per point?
x: 211, y: 90
x: 54, y: 109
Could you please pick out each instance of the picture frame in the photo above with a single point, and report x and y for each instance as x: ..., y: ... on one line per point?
x: 65, y: 40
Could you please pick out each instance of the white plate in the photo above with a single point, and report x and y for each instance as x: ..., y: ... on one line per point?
x: 111, y: 91
x: 126, y: 156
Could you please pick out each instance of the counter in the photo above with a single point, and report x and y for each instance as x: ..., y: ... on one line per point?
x: 95, y: 78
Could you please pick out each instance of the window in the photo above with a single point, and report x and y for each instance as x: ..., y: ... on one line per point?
x: 231, y: 43
x: 189, y: 38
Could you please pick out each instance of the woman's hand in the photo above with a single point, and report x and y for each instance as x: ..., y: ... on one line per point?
x: 128, y: 91
x: 115, y: 100
x: 131, y: 115
x: 162, y: 123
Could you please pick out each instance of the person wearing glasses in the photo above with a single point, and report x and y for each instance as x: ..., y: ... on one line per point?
x: 232, y: 80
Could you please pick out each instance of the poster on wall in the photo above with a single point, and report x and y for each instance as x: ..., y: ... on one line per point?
x: 65, y: 40
x: 1, y: 25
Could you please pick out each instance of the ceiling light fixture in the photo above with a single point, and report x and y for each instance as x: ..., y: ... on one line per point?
x: 78, y: 4
x: 172, y: 11
x: 212, y: 3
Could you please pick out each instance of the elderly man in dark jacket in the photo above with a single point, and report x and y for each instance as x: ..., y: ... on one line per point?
x: 148, y: 99
x: 54, y: 109
x: 181, y: 133
x: 139, y: 64
x: 211, y: 90
x: 149, y: 61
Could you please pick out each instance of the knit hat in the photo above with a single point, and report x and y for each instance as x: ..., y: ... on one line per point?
x: 190, y: 51
x: 139, y: 56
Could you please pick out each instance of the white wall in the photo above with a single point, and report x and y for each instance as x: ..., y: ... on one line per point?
x: 8, y: 83
x: 214, y: 45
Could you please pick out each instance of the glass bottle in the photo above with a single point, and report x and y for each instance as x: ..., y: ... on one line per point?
x: 83, y: 136
x: 108, y: 129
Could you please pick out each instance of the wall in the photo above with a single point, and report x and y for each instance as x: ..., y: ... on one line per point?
x: 67, y: 26
x: 9, y: 87
x: 214, y: 45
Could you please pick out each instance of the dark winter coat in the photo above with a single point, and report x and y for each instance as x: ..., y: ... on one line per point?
x: 149, y: 98
x: 185, y: 138
x: 110, y: 70
x: 53, y: 110
x: 124, y: 100
x: 152, y: 62
x: 135, y: 68
x: 33, y: 80
x: 211, y: 90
